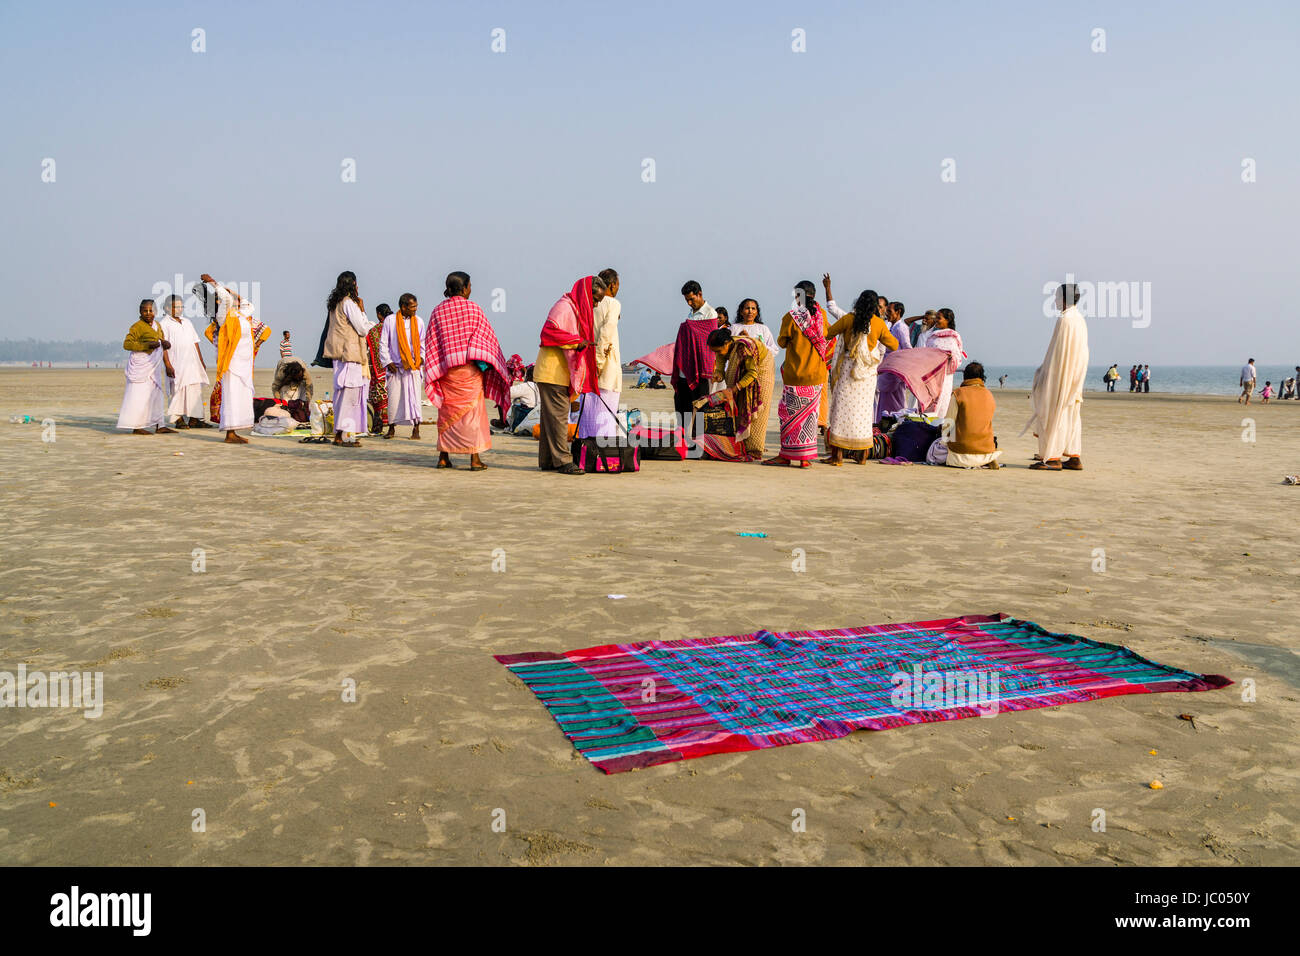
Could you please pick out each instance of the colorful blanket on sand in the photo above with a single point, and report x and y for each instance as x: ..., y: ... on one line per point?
x: 625, y: 706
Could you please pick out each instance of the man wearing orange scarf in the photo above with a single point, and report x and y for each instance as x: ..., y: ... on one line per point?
x: 235, y: 351
x: 400, y: 353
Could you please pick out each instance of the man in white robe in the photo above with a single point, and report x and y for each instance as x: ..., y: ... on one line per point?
x: 405, y: 383
x: 146, y: 367
x: 1056, y: 398
x: 186, y: 406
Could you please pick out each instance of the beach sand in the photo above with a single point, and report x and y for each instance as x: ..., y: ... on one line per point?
x: 223, y: 688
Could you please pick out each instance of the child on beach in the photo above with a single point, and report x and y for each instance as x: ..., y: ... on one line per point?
x: 1266, y: 393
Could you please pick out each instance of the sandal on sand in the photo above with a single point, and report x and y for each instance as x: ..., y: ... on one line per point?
x: 1052, y: 465
x: 444, y: 464
x: 569, y: 469
x: 1073, y: 463
x: 478, y: 467
x: 349, y: 444
x: 778, y: 460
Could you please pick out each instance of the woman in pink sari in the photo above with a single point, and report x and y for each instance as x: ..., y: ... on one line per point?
x: 463, y: 366
x: 566, y: 370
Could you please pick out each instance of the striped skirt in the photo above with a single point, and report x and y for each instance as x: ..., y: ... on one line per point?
x: 798, y: 414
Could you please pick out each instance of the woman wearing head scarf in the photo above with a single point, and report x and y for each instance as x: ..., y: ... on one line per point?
x: 566, y: 370
x: 803, y: 377
x: 463, y: 367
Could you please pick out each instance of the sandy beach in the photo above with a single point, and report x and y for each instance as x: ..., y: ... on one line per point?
x: 223, y: 689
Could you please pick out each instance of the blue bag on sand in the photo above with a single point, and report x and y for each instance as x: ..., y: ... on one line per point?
x: 912, y: 439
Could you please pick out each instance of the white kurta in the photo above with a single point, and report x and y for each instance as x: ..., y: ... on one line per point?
x: 950, y: 343
x: 143, y: 399
x: 191, y: 376
x: 610, y: 367
x: 405, y: 385
x: 759, y: 331
x: 237, y: 383
x: 1056, y: 398
x: 351, y: 381
x: 853, y: 398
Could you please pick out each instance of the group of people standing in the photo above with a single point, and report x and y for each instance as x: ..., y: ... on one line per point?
x: 825, y: 390
x: 387, y: 365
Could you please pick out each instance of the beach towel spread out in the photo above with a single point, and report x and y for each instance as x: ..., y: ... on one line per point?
x: 625, y: 706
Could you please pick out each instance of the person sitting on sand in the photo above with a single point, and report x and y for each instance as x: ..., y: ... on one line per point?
x: 1288, y: 389
x: 146, y: 364
x: 973, y: 444
x: 401, y: 355
x: 1056, y: 397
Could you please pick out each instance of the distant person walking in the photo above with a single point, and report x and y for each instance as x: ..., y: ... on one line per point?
x: 1146, y: 378
x: 286, y: 347
x: 1297, y: 381
x: 1133, y: 378
x: 1111, y: 377
x: 1248, y: 376
x: 1002, y: 381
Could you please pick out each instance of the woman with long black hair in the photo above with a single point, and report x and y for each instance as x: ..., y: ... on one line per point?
x: 345, y: 343
x: 853, y: 383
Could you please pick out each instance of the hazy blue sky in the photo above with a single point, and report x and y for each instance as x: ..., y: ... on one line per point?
x: 524, y: 168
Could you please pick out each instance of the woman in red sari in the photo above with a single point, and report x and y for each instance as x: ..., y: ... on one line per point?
x: 566, y: 369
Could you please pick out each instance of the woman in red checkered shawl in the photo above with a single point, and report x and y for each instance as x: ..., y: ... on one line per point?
x: 463, y: 366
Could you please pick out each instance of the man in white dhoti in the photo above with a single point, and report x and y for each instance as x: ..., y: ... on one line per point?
x: 1056, y: 399
x: 235, y: 351
x: 598, y: 413
x: 399, y: 353
x: 186, y: 407
x: 146, y: 366
x: 345, y: 343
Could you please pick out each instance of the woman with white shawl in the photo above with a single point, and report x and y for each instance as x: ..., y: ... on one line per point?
x: 945, y: 336
x: 853, y: 382
x: 1056, y: 398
